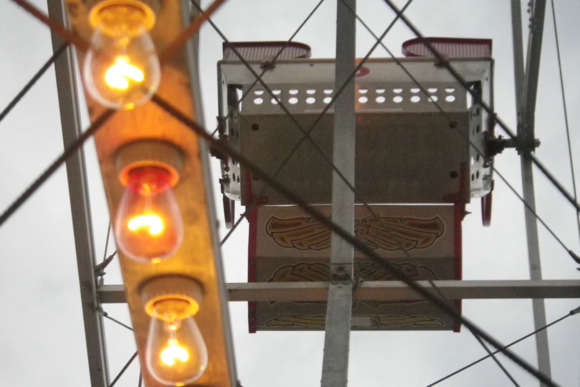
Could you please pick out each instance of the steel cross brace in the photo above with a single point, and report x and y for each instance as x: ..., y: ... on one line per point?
x: 80, y: 207
x: 385, y: 290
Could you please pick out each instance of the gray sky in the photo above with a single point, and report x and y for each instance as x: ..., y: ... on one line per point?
x: 42, y: 339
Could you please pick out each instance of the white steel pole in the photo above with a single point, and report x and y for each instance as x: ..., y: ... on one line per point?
x: 338, y: 316
x: 526, y: 92
x: 80, y: 207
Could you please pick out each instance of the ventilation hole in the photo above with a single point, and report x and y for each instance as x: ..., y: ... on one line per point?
x: 363, y: 99
x: 310, y: 100
x: 380, y: 99
x: 258, y: 101
x: 415, y: 90
x: 328, y: 91
x: 450, y: 90
x: 363, y: 91
x: 234, y: 177
x: 238, y: 178
x: 259, y: 92
x: 380, y: 91
x: 293, y: 91
x: 477, y: 111
x: 397, y: 91
x: 433, y: 98
x: 450, y: 98
x: 276, y: 92
x: 255, y: 126
x: 293, y: 100
x: 432, y: 90
x: 477, y: 175
x: 472, y: 177
x: 274, y: 101
x: 327, y: 99
x: 398, y: 99
x: 453, y: 174
x: 310, y: 91
x: 477, y: 129
x: 415, y: 99
x: 477, y: 158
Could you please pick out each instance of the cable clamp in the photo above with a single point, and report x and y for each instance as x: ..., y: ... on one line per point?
x: 100, y: 268
x: 575, y: 257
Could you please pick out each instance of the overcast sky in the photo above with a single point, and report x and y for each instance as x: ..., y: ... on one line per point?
x: 42, y: 334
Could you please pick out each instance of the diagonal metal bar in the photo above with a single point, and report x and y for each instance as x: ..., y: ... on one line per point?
x: 496, y: 360
x: 306, y: 133
x: 265, y: 70
x: 123, y: 370
x: 106, y: 315
x: 530, y: 207
x: 498, y: 351
x: 565, y: 106
x: 396, y: 272
x: 190, y: 31
x: 55, y: 26
x: 82, y: 45
x: 59, y: 29
x: 508, y: 184
x: 236, y: 108
x: 522, y: 148
x: 57, y: 53
x: 69, y: 152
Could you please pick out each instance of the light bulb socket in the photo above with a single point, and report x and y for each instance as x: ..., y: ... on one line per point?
x: 177, y: 289
x: 149, y: 153
x: 133, y: 14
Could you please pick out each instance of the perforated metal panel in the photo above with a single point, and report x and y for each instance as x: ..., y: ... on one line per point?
x: 407, y: 151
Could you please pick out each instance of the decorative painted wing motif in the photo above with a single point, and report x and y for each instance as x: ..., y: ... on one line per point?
x: 380, y: 322
x: 305, y: 233
x: 366, y: 271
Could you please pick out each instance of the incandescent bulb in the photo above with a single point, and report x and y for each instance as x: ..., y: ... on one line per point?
x: 121, y: 69
x: 176, y: 353
x: 148, y: 226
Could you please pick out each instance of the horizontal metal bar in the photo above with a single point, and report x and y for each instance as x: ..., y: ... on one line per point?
x: 384, y: 290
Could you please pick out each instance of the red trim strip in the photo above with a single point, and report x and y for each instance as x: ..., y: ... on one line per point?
x: 252, y: 246
x: 307, y: 51
x: 456, y: 47
x: 458, y: 214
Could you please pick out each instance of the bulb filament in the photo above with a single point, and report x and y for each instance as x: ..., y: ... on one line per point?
x: 119, y: 74
x: 174, y: 352
x: 154, y: 223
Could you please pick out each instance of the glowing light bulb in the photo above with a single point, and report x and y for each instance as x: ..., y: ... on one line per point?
x: 176, y: 354
x: 119, y: 74
x: 121, y: 69
x: 148, y: 226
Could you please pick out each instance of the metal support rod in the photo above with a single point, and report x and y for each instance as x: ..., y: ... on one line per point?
x: 526, y: 104
x: 80, y: 208
x: 339, y: 309
x: 383, y: 290
x: 530, y: 91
